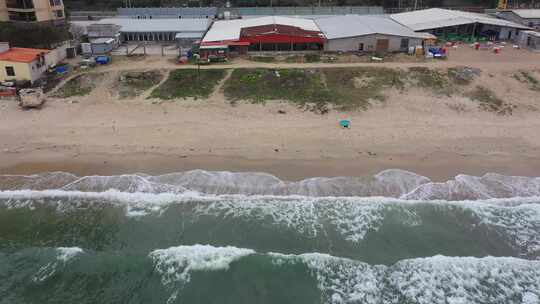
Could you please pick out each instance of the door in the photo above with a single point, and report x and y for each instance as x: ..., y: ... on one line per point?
x: 382, y: 45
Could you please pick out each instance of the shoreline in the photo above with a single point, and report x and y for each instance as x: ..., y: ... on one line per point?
x: 439, y: 167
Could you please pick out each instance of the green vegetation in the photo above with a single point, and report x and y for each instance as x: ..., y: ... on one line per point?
x: 431, y: 79
x: 302, y: 87
x: 79, y: 85
x: 33, y: 35
x: 313, y: 89
x: 490, y: 102
x: 312, y: 58
x: 262, y: 58
x: 133, y: 84
x: 357, y: 88
x: 185, y: 83
x: 526, y: 77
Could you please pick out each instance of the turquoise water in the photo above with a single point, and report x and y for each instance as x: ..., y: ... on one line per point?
x: 112, y: 246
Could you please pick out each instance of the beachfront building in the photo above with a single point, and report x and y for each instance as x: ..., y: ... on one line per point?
x: 49, y: 11
x: 152, y: 30
x: 271, y: 34
x: 20, y: 64
x: 354, y: 33
x: 451, y: 24
x: 527, y: 17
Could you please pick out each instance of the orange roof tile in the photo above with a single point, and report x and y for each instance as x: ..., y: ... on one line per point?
x: 21, y: 54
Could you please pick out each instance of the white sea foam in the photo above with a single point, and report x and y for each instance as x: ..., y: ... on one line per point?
x: 432, y: 280
x: 67, y: 253
x: 63, y: 256
x: 175, y: 264
x: 517, y: 220
x: 389, y: 183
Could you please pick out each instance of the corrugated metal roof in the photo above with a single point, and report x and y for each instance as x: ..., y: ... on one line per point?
x: 354, y: 25
x: 189, y: 35
x: 159, y: 12
x: 230, y: 29
x: 437, y: 17
x: 101, y: 40
x: 527, y: 13
x: 308, y: 10
x: 158, y: 25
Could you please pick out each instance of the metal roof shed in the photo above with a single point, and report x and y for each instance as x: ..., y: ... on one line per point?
x: 368, y: 34
x: 434, y: 18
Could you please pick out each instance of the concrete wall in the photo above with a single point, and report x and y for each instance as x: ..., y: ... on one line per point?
x: 534, y: 40
x: 370, y: 43
x: 56, y: 55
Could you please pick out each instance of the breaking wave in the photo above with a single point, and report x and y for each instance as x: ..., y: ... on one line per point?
x: 389, y: 183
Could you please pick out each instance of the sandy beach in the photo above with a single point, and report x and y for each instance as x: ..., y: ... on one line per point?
x: 435, y: 136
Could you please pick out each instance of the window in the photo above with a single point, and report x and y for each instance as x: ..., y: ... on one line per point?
x: 55, y: 2
x: 10, y: 71
x: 59, y: 13
x: 404, y: 43
x: 360, y: 46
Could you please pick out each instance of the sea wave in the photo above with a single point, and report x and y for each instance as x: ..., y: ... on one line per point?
x: 515, y: 221
x: 437, y: 279
x: 389, y: 183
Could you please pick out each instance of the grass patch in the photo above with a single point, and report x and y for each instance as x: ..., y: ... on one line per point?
x: 313, y: 89
x: 132, y: 84
x: 490, y: 102
x: 262, y: 58
x: 357, y: 88
x: 312, y: 58
x: 430, y: 79
x: 293, y: 59
x: 184, y: 83
x: 79, y: 85
x: 301, y: 87
x: 527, y: 78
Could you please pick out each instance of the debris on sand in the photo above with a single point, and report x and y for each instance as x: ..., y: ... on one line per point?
x: 31, y: 98
x: 463, y: 75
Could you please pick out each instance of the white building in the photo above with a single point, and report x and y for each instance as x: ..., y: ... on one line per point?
x: 443, y: 22
x: 368, y: 34
x: 159, y: 29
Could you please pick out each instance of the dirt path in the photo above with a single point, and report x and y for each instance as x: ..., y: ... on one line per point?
x: 510, y: 59
x: 218, y: 94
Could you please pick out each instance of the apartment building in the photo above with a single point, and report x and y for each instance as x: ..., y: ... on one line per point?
x: 51, y: 11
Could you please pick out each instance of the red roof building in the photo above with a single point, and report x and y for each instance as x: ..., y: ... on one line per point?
x: 22, y: 54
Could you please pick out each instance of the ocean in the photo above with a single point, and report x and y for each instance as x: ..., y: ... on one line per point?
x: 222, y: 237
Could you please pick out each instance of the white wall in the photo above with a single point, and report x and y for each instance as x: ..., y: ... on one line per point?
x: 370, y: 43
x: 56, y: 55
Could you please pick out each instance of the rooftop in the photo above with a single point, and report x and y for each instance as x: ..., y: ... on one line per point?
x: 158, y: 25
x: 22, y: 54
x: 230, y: 29
x: 437, y: 17
x: 527, y: 13
x: 355, y: 25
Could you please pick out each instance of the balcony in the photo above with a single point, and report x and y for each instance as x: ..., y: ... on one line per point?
x: 20, y: 4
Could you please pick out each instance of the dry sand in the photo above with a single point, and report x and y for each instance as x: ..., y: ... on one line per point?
x: 416, y: 131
